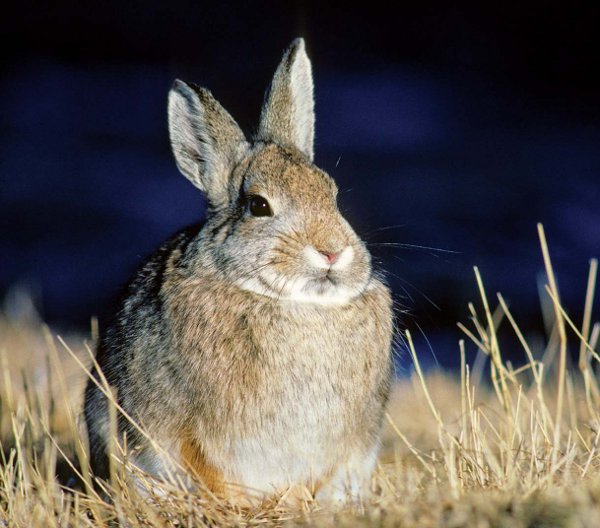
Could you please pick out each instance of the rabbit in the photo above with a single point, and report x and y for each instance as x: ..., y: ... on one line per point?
x: 255, y: 349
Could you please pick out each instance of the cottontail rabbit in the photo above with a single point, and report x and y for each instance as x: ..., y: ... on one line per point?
x: 255, y: 350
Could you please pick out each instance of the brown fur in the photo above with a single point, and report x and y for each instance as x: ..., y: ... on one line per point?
x: 249, y: 358
x: 194, y: 460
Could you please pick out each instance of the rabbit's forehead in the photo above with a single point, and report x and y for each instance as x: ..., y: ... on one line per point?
x: 279, y: 173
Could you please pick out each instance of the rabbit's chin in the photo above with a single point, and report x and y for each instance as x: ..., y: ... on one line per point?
x: 321, y: 291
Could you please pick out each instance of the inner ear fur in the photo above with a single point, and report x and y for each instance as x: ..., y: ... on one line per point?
x: 288, y: 116
x: 206, y: 140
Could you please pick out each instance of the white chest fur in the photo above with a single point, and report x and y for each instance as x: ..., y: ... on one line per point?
x: 314, y: 386
x: 284, y: 392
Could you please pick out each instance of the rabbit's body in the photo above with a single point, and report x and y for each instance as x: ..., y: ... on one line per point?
x: 255, y: 351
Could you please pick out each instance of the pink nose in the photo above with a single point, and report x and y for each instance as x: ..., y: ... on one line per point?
x: 330, y: 257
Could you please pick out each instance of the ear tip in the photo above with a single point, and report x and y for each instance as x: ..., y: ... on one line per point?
x: 298, y: 43
x: 297, y: 48
x: 190, y: 92
x: 180, y: 87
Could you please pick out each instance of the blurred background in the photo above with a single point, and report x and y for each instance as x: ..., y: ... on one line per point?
x: 451, y: 130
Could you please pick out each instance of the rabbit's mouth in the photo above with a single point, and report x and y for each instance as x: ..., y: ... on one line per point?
x: 326, y: 289
x: 325, y: 282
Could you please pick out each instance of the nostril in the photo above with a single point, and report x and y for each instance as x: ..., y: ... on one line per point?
x: 330, y: 256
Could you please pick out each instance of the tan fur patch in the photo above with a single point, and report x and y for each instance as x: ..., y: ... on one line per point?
x: 195, y: 461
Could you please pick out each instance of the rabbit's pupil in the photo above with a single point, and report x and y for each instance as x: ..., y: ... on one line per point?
x: 258, y: 206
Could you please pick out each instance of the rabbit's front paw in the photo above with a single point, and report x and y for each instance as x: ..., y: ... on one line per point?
x: 350, y: 483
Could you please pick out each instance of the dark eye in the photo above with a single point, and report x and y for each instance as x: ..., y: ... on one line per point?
x: 258, y: 206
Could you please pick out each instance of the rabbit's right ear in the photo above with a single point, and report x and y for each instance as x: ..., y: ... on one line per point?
x: 206, y: 140
x: 288, y: 113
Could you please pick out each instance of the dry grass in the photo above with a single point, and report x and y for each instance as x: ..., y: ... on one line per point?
x: 516, y: 448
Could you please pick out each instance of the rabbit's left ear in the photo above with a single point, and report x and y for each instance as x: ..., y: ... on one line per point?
x: 206, y: 140
x: 288, y: 116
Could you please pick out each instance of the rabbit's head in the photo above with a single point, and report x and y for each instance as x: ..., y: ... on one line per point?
x: 273, y: 226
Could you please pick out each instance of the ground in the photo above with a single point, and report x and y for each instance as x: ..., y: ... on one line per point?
x: 494, y: 444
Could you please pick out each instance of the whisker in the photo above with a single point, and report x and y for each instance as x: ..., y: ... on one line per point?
x: 254, y: 273
x: 410, y: 285
x: 285, y: 281
x: 385, y: 228
x: 428, y: 344
x: 413, y: 246
x: 291, y: 236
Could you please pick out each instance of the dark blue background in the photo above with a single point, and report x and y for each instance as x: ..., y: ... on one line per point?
x: 451, y: 127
